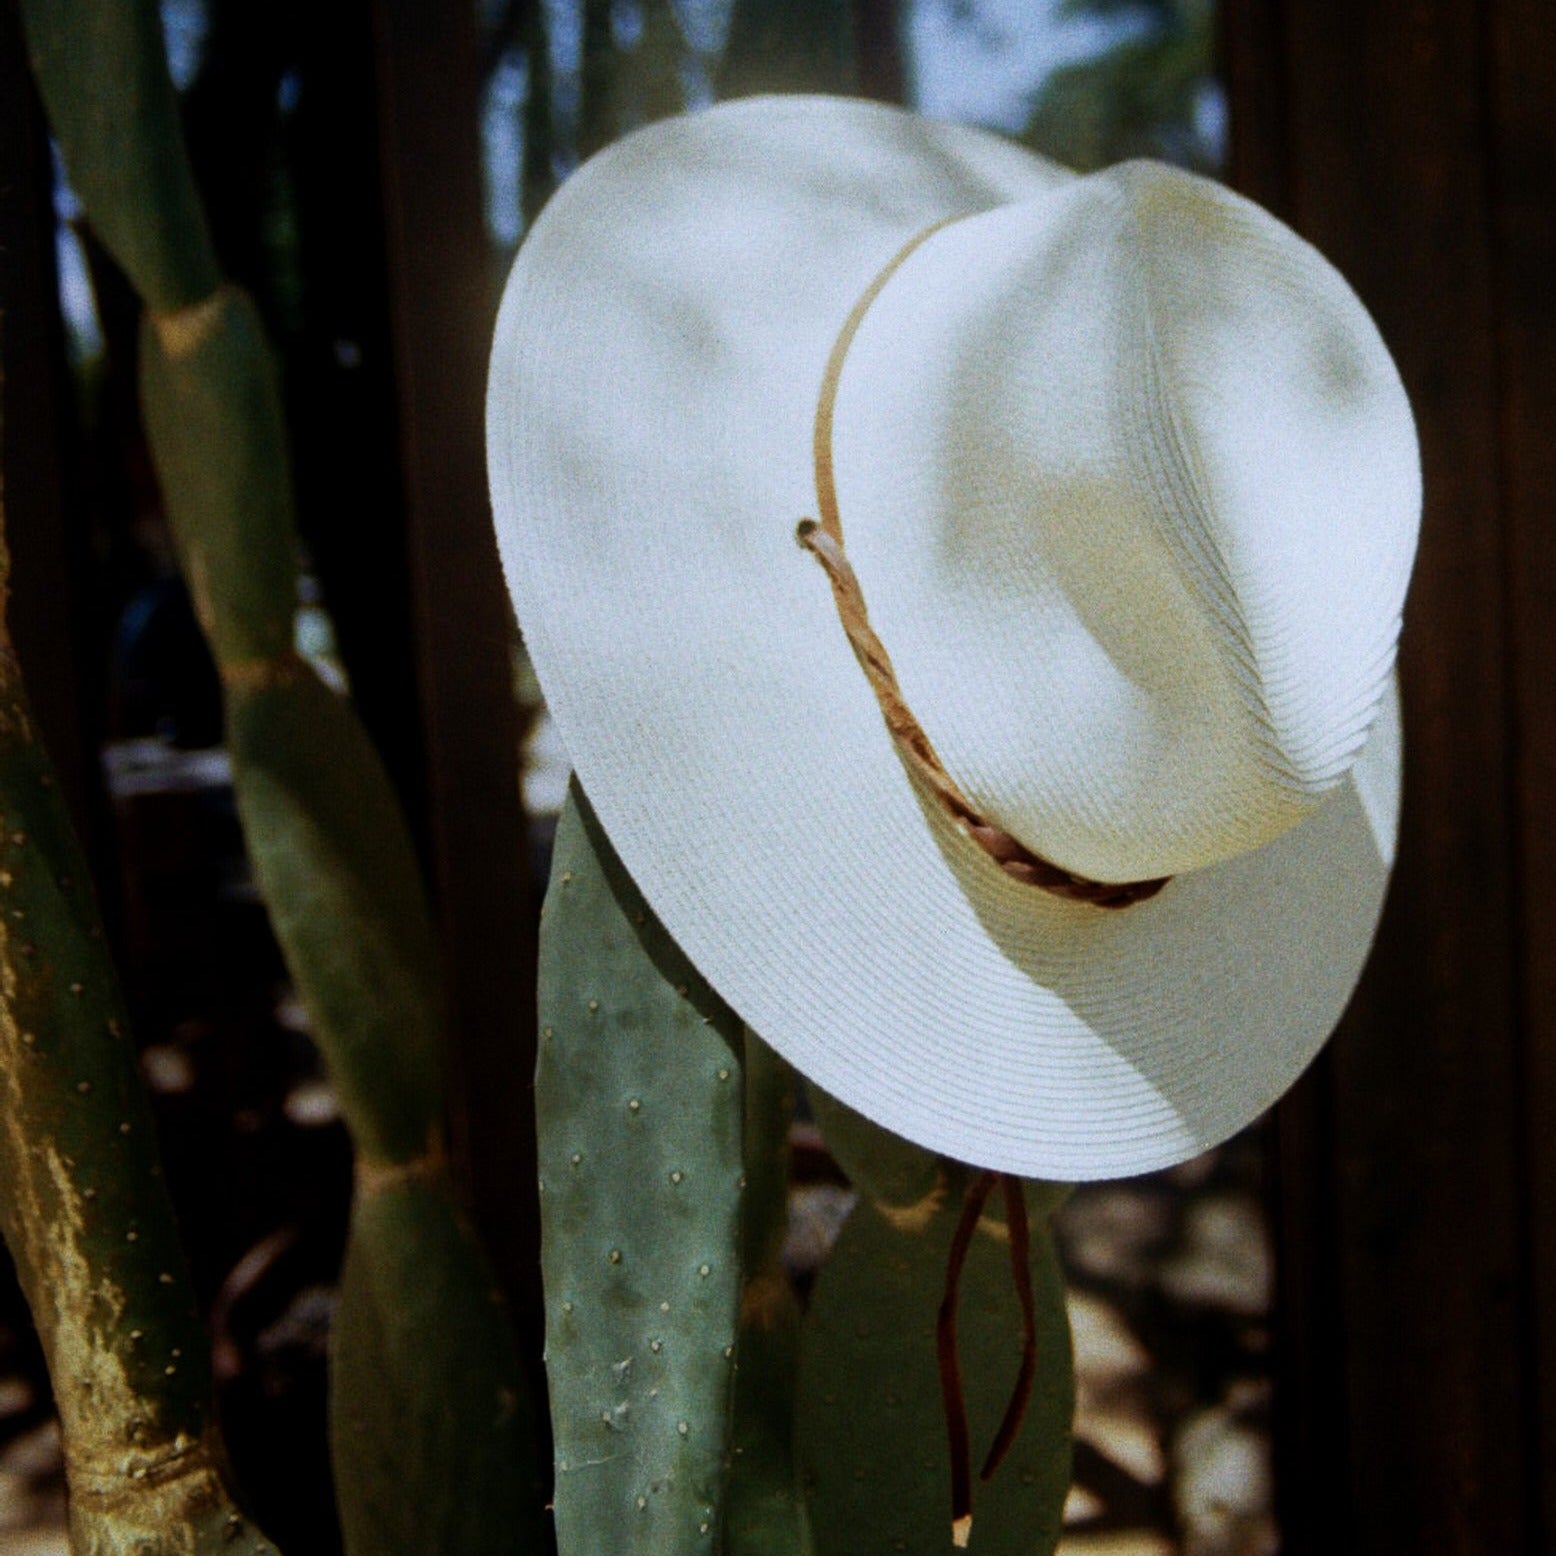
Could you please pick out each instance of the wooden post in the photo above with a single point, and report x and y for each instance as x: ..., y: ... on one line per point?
x: 1414, y: 141
x: 442, y: 307
x: 43, y: 615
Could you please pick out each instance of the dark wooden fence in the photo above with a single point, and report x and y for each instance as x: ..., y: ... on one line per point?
x: 1414, y: 141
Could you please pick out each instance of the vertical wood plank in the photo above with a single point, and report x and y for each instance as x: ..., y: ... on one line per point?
x: 1523, y: 104
x: 443, y: 306
x: 341, y: 391
x: 1375, y: 122
x: 42, y: 616
x: 1310, y: 1421
x: 878, y: 63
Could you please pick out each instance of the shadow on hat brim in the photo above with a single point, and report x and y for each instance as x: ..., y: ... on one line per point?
x: 654, y: 378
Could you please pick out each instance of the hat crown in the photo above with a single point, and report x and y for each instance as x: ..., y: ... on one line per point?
x: 1132, y: 489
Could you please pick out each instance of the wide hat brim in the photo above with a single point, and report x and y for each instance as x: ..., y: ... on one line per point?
x: 653, y: 389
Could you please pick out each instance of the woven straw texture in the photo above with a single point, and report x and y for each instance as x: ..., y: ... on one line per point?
x: 1087, y: 536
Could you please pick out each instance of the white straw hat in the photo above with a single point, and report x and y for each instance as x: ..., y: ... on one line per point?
x: 1128, y: 487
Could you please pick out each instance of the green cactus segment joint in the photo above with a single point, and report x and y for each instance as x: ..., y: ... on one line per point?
x: 209, y: 389
x: 323, y: 829
x: 378, y: 1177
x: 183, y: 331
x: 643, y: 1289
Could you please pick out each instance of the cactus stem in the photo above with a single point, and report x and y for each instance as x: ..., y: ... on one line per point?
x: 376, y: 1176
x: 247, y: 676
x: 182, y: 331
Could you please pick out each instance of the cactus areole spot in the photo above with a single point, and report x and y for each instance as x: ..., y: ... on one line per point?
x: 1064, y: 857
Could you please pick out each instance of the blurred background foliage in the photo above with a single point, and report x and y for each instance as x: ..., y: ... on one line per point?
x: 1153, y: 93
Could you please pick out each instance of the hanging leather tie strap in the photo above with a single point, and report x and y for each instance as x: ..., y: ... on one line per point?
x: 823, y: 538
x: 1021, y: 1276
x: 951, y: 1395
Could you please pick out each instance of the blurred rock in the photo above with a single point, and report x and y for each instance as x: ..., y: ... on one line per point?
x: 1195, y: 1172
x: 1224, y: 1260
x: 168, y: 1069
x: 1221, y: 1477
x: 1126, y: 1436
x: 1080, y: 1506
x: 41, y: 1541
x: 1112, y: 1232
x: 1120, y: 1542
x: 1107, y: 1351
x: 312, y: 1104
x: 32, y: 1481
x: 817, y: 1212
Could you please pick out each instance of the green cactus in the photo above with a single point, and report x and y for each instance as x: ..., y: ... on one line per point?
x: 913, y: 1199
x: 637, y: 1103
x: 431, y: 1430
x: 881, y: 1166
x: 901, y: 1177
x: 103, y: 76
x: 639, y: 1097
x: 765, y: 1504
x: 420, y: 1339
x: 330, y: 850
x: 788, y: 46
x: 872, y: 1423
x: 82, y: 1204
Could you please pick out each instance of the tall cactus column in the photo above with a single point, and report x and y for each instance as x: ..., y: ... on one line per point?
x: 82, y: 1204
x: 431, y: 1428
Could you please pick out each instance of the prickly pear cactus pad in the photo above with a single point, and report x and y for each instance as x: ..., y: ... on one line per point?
x: 899, y: 1175
x: 872, y: 1429
x: 882, y: 1166
x: 421, y: 1339
x: 639, y: 1099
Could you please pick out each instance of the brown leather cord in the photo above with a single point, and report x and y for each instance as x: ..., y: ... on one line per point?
x: 951, y: 1398
x: 823, y: 538
x: 951, y: 1394
x: 1021, y: 1275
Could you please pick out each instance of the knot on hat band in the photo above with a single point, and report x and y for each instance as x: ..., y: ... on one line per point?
x: 823, y: 538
